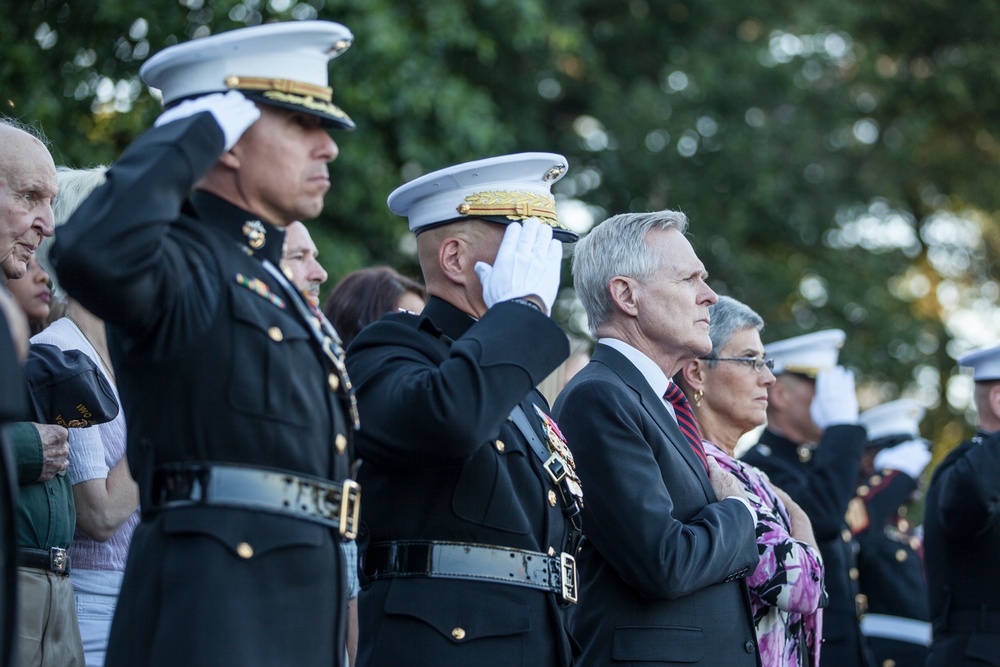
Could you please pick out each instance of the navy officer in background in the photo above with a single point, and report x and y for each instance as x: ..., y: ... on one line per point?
x: 238, y: 406
x: 473, y: 515
x: 890, y: 561
x: 962, y: 533
x: 812, y: 449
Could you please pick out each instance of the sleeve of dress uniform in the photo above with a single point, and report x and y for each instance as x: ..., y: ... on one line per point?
x: 829, y: 483
x: 418, y: 410
x: 885, y: 497
x: 969, y: 489
x: 630, y: 511
x: 116, y: 255
x: 790, y: 573
x: 27, y: 445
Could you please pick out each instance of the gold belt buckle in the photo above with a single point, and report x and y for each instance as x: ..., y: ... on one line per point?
x: 567, y: 568
x: 350, y: 509
x: 58, y: 559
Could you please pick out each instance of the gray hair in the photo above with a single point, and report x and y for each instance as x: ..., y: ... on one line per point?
x: 75, y: 185
x: 617, y: 247
x: 31, y: 130
x: 729, y: 316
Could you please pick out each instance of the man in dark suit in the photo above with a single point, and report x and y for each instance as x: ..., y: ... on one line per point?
x: 890, y: 559
x: 472, y: 501
x: 962, y: 533
x: 812, y: 449
x: 670, y: 535
x: 239, y: 411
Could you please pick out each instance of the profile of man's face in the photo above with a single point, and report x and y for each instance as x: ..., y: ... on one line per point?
x: 27, y: 187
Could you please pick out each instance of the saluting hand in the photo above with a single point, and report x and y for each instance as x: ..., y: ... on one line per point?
x: 528, y: 264
x: 232, y: 111
x: 835, y: 402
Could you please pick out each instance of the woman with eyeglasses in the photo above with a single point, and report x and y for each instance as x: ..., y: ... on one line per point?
x: 728, y: 393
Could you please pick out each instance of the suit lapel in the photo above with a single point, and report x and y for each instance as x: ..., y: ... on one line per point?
x: 653, y: 405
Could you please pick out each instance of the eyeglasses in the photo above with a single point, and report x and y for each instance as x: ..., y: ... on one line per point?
x: 757, y: 363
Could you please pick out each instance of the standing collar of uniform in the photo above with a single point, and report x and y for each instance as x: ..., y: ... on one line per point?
x: 772, y: 438
x: 253, y: 234
x: 446, y: 317
x: 654, y: 375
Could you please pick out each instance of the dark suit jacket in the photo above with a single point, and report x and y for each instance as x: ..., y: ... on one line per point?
x: 961, y: 547
x: 209, y: 369
x: 441, y: 461
x: 661, y: 571
x: 823, y: 484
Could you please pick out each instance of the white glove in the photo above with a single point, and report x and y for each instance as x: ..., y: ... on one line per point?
x: 528, y: 264
x: 835, y: 402
x: 232, y: 111
x: 910, y: 457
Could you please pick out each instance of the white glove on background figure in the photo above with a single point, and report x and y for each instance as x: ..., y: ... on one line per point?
x: 232, y: 111
x: 528, y: 263
x: 835, y: 402
x: 910, y: 457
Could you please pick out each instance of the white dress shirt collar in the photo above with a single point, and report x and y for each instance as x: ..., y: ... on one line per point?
x: 656, y: 378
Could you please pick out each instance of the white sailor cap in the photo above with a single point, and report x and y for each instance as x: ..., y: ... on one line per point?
x: 503, y: 189
x: 806, y: 355
x: 278, y: 64
x: 901, y: 417
x: 985, y: 363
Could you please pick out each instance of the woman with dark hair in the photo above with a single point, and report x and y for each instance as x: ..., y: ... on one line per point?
x: 364, y: 296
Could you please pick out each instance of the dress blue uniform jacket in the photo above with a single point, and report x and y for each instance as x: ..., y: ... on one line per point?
x: 210, y: 369
x: 890, y: 563
x: 822, y: 481
x: 441, y: 461
x: 661, y: 572
x: 961, y: 548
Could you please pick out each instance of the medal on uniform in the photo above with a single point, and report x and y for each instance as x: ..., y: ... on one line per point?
x: 557, y: 445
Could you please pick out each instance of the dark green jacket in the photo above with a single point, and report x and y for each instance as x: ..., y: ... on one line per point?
x: 46, y: 511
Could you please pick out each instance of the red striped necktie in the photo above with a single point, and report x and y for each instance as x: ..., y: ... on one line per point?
x: 686, y: 421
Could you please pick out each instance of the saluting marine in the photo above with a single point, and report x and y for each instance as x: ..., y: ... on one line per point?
x: 240, y: 410
x: 472, y: 501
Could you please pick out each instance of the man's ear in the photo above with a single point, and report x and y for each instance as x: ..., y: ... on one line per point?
x: 694, y: 374
x: 231, y: 158
x: 453, y: 258
x: 623, y: 294
x: 994, y: 396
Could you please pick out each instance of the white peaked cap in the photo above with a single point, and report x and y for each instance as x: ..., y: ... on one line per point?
x: 901, y: 417
x: 503, y: 189
x: 808, y: 354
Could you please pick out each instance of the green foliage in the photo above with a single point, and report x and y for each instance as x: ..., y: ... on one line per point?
x: 837, y: 160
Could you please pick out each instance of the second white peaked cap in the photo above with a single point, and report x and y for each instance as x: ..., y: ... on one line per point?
x: 985, y: 363
x: 279, y: 64
x: 502, y: 189
x: 808, y: 354
x: 900, y: 417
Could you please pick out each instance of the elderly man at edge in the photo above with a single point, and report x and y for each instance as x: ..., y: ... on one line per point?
x: 728, y: 387
x: 47, y: 627
x: 670, y: 534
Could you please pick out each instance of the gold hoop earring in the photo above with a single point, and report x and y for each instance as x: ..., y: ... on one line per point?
x: 698, y: 395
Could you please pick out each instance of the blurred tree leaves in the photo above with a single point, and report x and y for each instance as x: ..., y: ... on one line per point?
x: 838, y: 158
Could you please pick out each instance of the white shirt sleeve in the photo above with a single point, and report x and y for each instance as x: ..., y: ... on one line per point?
x: 86, y: 455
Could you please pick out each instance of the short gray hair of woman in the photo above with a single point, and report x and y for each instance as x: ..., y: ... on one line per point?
x: 75, y: 185
x: 728, y: 316
x: 617, y: 247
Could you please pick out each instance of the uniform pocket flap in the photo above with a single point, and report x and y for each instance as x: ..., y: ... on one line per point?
x: 663, y: 644
x: 246, y: 534
x: 460, y: 612
x: 984, y: 647
x: 268, y: 318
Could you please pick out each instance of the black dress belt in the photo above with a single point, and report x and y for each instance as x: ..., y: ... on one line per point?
x: 54, y: 559
x: 473, y: 562
x: 333, y: 504
x: 969, y: 620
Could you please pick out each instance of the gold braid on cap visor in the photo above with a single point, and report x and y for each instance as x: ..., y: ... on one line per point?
x: 808, y: 371
x: 281, y: 85
x: 512, y: 205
